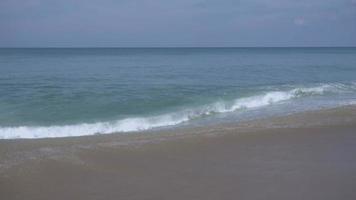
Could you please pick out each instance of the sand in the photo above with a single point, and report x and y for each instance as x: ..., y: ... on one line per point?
x: 310, y: 155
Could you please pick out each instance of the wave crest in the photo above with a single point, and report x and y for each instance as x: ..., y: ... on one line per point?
x: 140, y: 124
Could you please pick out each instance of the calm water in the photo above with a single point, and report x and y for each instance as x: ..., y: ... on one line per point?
x: 67, y: 92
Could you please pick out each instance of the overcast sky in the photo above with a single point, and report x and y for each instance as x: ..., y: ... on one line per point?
x: 129, y: 23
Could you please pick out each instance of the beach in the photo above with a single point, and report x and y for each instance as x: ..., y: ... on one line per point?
x: 308, y: 155
x: 177, y: 100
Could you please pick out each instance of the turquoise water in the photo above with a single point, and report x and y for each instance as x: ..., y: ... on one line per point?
x: 84, y: 91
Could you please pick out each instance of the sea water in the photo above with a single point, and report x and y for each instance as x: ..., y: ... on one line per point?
x: 60, y: 92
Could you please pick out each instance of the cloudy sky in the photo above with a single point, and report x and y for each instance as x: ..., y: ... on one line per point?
x: 130, y: 23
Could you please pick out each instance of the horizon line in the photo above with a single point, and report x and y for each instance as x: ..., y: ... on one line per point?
x: 158, y: 47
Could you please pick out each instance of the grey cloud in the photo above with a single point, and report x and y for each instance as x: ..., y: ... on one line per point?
x: 177, y: 23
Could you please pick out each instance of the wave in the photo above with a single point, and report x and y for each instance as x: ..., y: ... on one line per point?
x: 170, y: 119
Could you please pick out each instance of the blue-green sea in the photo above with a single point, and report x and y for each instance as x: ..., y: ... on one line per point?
x: 60, y: 92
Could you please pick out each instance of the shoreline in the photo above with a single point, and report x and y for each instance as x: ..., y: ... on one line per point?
x: 306, y: 155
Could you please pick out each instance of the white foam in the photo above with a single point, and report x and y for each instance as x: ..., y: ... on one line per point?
x: 125, y: 125
x: 140, y: 124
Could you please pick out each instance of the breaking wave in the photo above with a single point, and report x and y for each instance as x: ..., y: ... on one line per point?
x: 145, y: 123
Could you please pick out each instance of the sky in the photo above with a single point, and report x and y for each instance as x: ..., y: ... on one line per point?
x: 177, y: 23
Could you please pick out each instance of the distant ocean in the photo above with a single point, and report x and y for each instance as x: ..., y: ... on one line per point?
x: 49, y: 92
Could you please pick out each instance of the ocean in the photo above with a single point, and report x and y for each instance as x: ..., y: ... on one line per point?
x: 62, y: 92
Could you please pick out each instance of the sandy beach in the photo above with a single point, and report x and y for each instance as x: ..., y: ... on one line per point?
x: 305, y: 156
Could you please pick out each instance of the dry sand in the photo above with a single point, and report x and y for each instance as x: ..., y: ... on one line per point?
x: 303, y: 156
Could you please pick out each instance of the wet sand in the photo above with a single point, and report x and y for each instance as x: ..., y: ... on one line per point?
x: 305, y: 156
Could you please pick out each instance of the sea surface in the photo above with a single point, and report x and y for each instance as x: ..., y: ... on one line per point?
x: 61, y: 92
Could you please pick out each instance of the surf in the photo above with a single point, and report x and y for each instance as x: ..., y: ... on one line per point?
x: 135, y: 124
